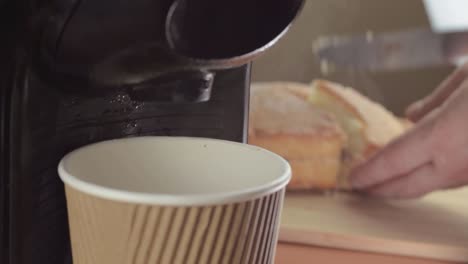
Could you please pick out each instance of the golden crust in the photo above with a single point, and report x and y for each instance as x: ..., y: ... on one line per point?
x: 318, y: 174
x: 301, y: 147
x: 382, y: 126
x: 313, y: 148
x: 275, y: 110
x: 315, y: 160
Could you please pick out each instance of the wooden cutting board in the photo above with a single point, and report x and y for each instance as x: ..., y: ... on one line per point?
x: 435, y: 227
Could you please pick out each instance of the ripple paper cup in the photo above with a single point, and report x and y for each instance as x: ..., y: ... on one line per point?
x: 173, y: 200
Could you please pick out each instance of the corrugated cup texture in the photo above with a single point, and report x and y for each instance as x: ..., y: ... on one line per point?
x: 111, y: 232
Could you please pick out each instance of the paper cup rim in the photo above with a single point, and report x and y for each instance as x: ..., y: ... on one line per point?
x: 180, y: 200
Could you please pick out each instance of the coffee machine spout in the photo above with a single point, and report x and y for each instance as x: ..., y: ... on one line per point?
x: 201, y: 38
x: 226, y: 34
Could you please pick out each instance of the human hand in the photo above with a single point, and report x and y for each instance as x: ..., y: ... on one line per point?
x: 433, y: 155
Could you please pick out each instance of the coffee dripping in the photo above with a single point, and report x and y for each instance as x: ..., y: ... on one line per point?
x: 74, y: 72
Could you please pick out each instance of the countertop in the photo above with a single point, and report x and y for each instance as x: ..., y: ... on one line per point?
x: 299, y: 254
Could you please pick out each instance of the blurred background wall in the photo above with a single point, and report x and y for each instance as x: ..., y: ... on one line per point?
x: 293, y: 60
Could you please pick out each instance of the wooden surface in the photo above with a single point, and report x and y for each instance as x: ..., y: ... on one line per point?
x: 300, y: 254
x: 435, y: 227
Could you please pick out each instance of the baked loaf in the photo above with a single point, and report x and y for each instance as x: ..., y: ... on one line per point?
x: 308, y: 137
x: 369, y: 125
x: 323, y: 129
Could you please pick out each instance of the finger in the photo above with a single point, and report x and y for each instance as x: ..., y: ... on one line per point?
x: 419, y: 109
x: 460, y: 180
x: 400, y: 157
x: 414, y: 185
x: 418, y: 183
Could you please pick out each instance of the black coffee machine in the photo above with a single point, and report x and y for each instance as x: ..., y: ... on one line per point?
x: 74, y: 72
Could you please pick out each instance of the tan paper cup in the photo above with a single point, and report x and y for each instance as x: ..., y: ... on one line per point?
x: 173, y: 200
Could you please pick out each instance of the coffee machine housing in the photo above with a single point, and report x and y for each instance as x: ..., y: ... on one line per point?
x: 75, y: 72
